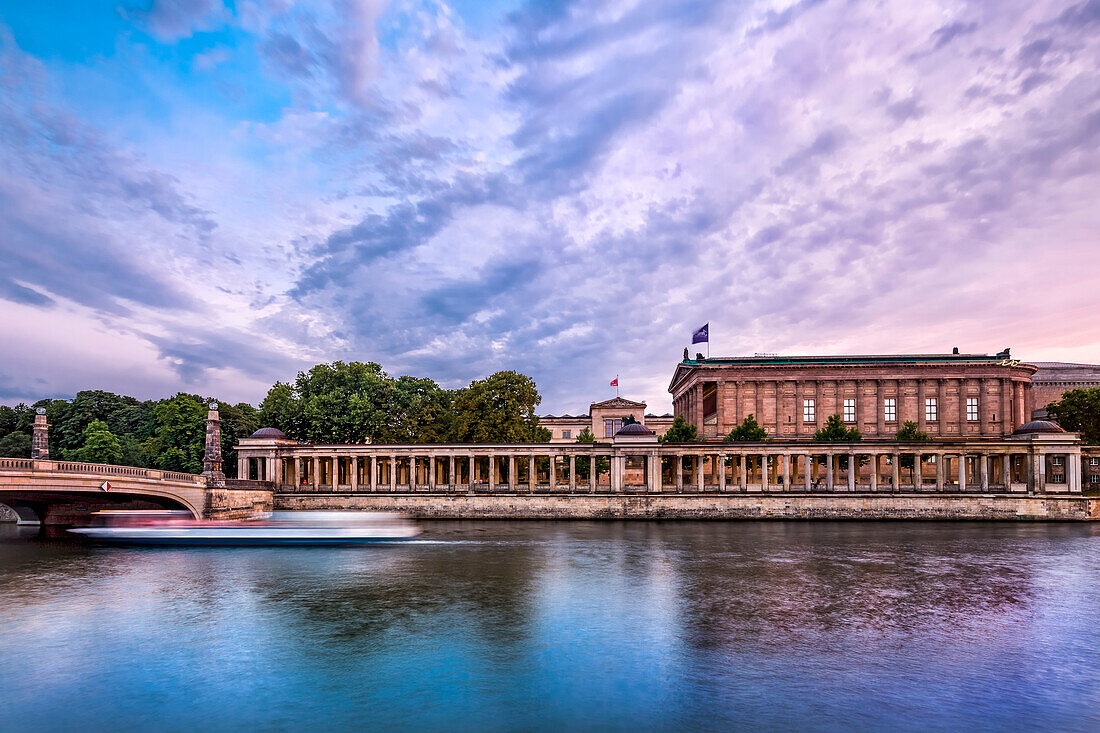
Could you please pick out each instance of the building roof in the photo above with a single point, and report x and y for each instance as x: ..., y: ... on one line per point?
x: 615, y: 402
x: 635, y: 429
x: 270, y: 433
x: 1038, y: 426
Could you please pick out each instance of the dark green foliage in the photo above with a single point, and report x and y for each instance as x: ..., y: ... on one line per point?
x: 100, y: 445
x: 834, y: 431
x: 681, y: 431
x: 748, y: 431
x: 1079, y: 412
x: 15, y: 445
x: 602, y: 464
x: 498, y: 409
x: 180, y: 436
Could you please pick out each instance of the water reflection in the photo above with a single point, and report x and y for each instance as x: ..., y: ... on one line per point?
x: 540, y: 625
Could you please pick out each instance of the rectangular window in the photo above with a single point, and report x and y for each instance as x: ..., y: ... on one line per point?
x: 930, y: 409
x: 566, y: 433
x: 972, y: 408
x: 1094, y: 478
x: 1058, y: 478
x: 849, y: 410
x: 1056, y: 460
x: 890, y: 409
x: 1094, y: 461
x: 608, y: 428
x: 808, y: 411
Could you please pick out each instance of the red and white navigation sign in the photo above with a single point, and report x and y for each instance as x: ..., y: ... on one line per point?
x: 106, y: 486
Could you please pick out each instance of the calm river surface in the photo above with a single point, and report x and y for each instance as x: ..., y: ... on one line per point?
x: 568, y: 625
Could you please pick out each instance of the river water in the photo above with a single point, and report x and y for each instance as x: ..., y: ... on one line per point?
x: 568, y: 625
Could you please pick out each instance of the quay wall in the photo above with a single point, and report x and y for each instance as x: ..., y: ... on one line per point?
x: 710, y: 506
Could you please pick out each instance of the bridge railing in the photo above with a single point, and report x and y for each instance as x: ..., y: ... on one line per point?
x: 98, y: 468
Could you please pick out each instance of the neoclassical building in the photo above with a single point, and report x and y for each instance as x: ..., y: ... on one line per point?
x: 956, y: 396
x: 1053, y: 378
x: 604, y: 420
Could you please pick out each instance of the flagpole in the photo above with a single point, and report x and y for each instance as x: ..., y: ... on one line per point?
x: 616, y: 385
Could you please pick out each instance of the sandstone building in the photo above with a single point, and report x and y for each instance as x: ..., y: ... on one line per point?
x: 604, y: 419
x: 954, y: 395
x: 1053, y: 378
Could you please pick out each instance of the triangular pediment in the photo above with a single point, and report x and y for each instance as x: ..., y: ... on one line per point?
x: 616, y: 402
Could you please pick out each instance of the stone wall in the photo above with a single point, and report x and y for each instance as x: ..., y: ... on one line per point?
x: 238, y: 503
x: 864, y: 506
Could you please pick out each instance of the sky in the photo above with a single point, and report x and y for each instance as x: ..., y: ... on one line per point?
x: 209, y: 196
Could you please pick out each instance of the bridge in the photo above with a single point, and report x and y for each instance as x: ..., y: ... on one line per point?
x: 65, y: 492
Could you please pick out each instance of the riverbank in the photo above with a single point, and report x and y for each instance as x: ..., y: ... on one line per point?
x: 1043, y: 507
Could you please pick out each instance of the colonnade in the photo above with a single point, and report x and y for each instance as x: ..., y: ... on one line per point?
x: 682, y: 468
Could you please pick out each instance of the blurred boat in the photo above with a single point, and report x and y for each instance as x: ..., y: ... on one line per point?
x: 278, y: 528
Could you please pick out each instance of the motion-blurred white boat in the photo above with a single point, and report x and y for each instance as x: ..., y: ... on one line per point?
x: 278, y: 528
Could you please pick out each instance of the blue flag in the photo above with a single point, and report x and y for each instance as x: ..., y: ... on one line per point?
x: 703, y: 334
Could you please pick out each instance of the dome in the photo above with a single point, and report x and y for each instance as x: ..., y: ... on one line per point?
x: 634, y: 429
x: 1038, y: 426
x: 273, y: 433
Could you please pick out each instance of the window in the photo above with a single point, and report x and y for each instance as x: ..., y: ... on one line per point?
x: 890, y: 409
x: 567, y: 434
x: 808, y: 411
x: 1094, y: 478
x: 1094, y: 461
x: 610, y: 427
x: 930, y: 409
x: 971, y: 408
x: 1057, y: 460
x: 1058, y: 478
x: 849, y: 410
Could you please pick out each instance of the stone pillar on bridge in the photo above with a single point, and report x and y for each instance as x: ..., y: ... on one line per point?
x: 40, y: 442
x: 212, y: 458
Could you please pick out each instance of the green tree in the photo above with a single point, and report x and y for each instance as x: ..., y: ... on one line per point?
x: 238, y: 421
x: 910, y: 433
x: 15, y: 445
x: 748, y: 431
x: 1079, y: 412
x: 834, y: 431
x: 100, y: 445
x: 419, y: 412
x: 602, y: 464
x: 179, y: 440
x: 498, y: 409
x: 681, y: 431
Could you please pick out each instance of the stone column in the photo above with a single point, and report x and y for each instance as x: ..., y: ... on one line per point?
x: 699, y: 473
x: 962, y: 471
x: 451, y: 480
x: 853, y: 467
x: 918, y: 479
x: 895, y: 471
x: 512, y: 472
x: 553, y: 471
x: 431, y: 472
x: 211, y: 460
x: 720, y: 407
x: 721, y: 474
x: 829, y: 472
x: 1007, y: 471
x: 939, y: 471
x: 679, y: 473
x: 880, y: 407
x: 372, y: 466
x: 492, y: 471
x: 354, y: 473
x: 315, y: 471
x: 40, y: 439
x: 786, y: 472
x: 797, y: 407
x: 532, y: 472
x: 922, y: 395
x: 983, y: 401
x: 984, y: 468
x: 962, y: 408
x: 874, y: 472
x: 572, y: 473
x: 393, y: 472
x: 743, y: 462
x: 591, y: 474
x: 335, y: 463
x: 807, y: 468
x: 941, y: 406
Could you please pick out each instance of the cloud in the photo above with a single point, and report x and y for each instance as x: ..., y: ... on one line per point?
x: 570, y: 189
x: 172, y: 20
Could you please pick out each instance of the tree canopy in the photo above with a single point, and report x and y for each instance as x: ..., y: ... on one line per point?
x: 100, y: 445
x: 835, y: 431
x: 1079, y: 412
x: 681, y: 431
x: 748, y: 431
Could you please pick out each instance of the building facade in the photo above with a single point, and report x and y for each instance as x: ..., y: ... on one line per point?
x: 1053, y: 378
x: 956, y: 396
x: 604, y: 419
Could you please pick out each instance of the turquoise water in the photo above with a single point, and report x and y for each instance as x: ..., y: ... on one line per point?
x: 570, y: 625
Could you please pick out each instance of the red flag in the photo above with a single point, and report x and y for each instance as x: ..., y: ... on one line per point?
x: 615, y: 382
